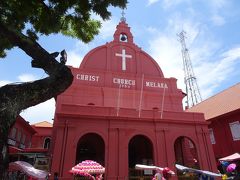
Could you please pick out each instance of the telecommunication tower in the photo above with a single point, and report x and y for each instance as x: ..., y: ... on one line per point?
x: 192, y: 89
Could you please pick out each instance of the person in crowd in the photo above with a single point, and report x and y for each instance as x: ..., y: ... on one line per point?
x: 167, y: 173
x: 237, y: 171
x: 55, y: 176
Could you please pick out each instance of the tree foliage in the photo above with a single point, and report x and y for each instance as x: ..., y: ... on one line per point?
x: 72, y: 18
x: 21, y: 24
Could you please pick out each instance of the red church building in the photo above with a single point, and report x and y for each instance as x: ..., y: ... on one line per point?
x: 120, y: 111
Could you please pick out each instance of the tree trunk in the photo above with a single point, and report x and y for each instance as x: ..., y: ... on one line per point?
x: 16, y: 97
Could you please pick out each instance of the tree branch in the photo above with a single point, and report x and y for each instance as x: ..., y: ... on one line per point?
x: 41, y: 58
x: 16, y: 97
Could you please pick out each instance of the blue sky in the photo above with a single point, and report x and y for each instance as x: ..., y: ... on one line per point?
x: 213, y: 40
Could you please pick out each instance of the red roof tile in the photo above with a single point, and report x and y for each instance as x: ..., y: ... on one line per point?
x: 43, y: 124
x: 219, y: 104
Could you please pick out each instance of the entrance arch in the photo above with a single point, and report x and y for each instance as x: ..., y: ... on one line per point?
x: 140, y: 151
x: 185, y: 154
x: 91, y: 147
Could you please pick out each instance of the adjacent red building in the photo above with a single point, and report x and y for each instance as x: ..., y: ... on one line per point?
x: 41, y: 143
x: 42, y: 139
x: 222, y: 111
x: 30, y: 143
x: 19, y: 138
x: 120, y: 110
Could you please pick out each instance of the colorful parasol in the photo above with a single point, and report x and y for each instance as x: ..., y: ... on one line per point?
x: 231, y: 167
x: 87, y: 168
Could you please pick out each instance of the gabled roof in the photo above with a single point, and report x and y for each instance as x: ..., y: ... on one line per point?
x: 219, y: 104
x: 25, y: 123
x: 43, y: 124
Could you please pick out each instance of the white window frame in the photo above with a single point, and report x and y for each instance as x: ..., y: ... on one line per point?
x: 212, y: 137
x: 47, y: 144
x: 235, y: 130
x: 23, y: 138
x: 13, y: 133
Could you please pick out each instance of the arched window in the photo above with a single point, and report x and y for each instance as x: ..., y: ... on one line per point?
x: 91, y: 147
x: 140, y: 151
x: 47, y: 142
x: 123, y: 37
x: 186, y: 154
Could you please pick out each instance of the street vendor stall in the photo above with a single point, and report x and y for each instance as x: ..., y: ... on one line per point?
x: 233, y: 157
x: 231, y: 165
x: 161, y: 173
x: 27, y: 169
x: 202, y: 174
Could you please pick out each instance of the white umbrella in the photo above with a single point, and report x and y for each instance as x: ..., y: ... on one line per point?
x: 27, y: 169
x: 232, y: 157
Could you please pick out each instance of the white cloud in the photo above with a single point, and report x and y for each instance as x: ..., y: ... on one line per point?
x: 150, y: 2
x: 166, y: 50
x: 41, y: 112
x: 108, y: 28
x: 4, y: 82
x: 74, y: 58
x: 232, y: 54
x: 26, y: 77
x: 21, y: 78
x: 214, y: 73
x: 76, y: 55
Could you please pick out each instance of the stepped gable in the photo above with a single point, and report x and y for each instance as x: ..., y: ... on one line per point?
x: 108, y: 57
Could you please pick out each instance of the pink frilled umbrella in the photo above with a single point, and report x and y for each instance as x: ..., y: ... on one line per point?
x: 87, y: 168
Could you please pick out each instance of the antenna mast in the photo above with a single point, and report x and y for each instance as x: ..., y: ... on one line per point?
x: 192, y: 89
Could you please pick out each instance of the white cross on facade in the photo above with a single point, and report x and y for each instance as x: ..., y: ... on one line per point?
x: 124, y: 56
